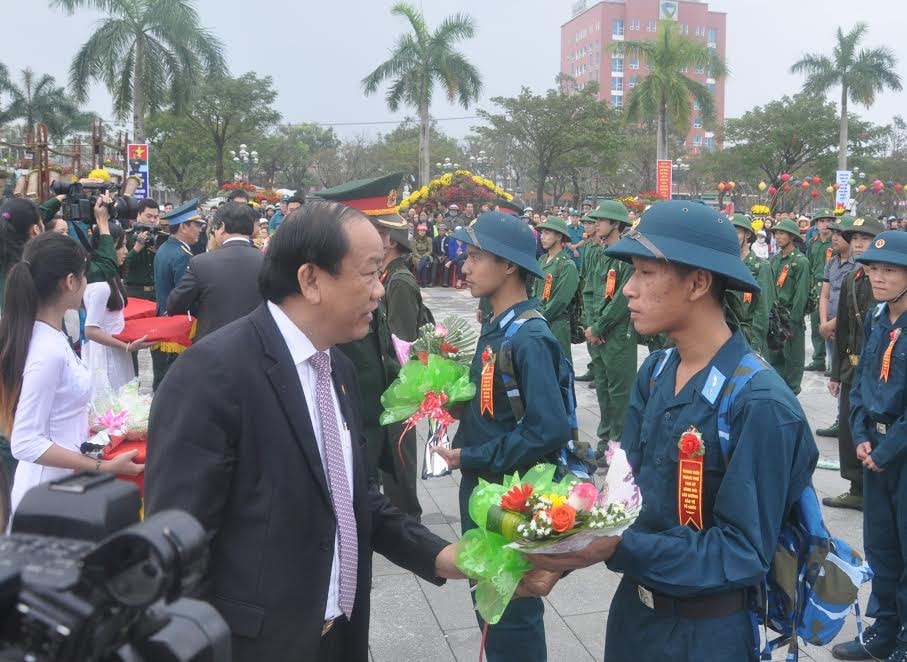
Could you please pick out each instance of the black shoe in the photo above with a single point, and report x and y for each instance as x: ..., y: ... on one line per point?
x: 815, y: 366
x: 586, y: 377
x: 899, y: 654
x: 830, y: 431
x: 878, y: 643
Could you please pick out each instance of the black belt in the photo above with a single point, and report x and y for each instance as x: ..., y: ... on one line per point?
x: 707, y: 606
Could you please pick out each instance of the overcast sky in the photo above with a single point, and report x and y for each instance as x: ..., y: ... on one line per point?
x: 318, y: 52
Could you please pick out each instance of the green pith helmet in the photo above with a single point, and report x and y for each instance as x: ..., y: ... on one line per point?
x: 867, y: 226
x: 611, y: 210
x: 824, y: 213
x: 742, y: 221
x: 788, y: 226
x: 555, y: 224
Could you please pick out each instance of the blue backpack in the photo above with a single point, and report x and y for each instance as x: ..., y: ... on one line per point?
x: 575, y: 457
x: 814, y: 577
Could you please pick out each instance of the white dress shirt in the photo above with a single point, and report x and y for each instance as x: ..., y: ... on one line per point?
x: 301, y: 350
x: 52, y: 408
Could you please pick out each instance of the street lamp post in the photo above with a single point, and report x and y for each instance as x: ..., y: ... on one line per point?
x: 245, y: 161
x: 447, y: 165
x: 679, y: 167
x: 478, y: 163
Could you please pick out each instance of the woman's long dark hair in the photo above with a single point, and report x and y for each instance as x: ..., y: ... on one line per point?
x: 17, y: 217
x: 32, y: 282
x: 118, y: 298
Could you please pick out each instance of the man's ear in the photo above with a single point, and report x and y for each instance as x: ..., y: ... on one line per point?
x: 307, y: 276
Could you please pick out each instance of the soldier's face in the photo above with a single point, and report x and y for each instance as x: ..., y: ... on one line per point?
x: 550, y: 238
x: 591, y: 229
x: 888, y: 280
x: 783, y: 239
x: 484, y: 273
x: 659, y: 295
x: 148, y: 216
x: 859, y: 242
x: 838, y: 243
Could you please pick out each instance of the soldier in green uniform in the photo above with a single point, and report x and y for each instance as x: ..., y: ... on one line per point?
x: 792, y: 282
x: 559, y: 280
x: 610, y: 333
x: 751, y: 309
x: 591, y: 250
x: 818, y: 252
x: 170, y: 266
x: 139, y: 278
x: 855, y: 305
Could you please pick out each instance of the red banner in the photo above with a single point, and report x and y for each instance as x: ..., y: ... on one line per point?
x: 663, y: 178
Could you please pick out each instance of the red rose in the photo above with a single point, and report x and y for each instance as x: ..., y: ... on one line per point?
x: 423, y: 356
x: 690, y: 444
x: 447, y: 348
x: 563, y: 517
x: 515, y: 500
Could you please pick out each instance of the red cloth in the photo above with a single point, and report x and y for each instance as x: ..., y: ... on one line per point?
x: 139, y: 309
x: 118, y: 446
x: 158, y: 329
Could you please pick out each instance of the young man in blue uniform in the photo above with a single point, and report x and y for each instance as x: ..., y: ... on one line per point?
x: 687, y: 581
x: 170, y: 265
x: 878, y: 420
x: 490, y: 441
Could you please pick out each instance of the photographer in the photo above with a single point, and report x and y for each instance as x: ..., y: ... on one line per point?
x: 44, y: 388
x: 143, y: 244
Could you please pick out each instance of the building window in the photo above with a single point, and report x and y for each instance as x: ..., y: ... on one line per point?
x: 633, y: 81
x: 684, y: 28
x: 651, y: 26
x: 697, y: 140
x: 710, y: 142
x: 617, y: 26
x: 700, y: 68
x: 684, y: 69
x: 617, y: 64
x: 617, y: 101
x: 617, y: 84
x: 697, y: 122
x: 711, y: 87
x: 696, y: 105
x: 635, y: 24
x: 713, y: 36
x: 634, y: 63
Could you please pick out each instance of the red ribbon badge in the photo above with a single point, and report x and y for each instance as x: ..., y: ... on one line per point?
x: 486, y: 386
x: 611, y: 284
x: 886, y: 357
x: 432, y: 407
x: 689, y: 478
x: 546, y: 293
x: 782, y: 276
x: 747, y: 297
x: 827, y: 254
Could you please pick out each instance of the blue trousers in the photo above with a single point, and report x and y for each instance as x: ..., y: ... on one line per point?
x: 885, y: 541
x: 637, y: 633
x: 520, y: 634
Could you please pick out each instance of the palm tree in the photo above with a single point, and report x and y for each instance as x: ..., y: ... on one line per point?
x: 666, y: 94
x: 861, y: 74
x: 147, y: 53
x: 39, y: 99
x: 418, y: 60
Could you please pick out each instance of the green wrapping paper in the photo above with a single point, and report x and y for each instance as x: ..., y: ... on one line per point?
x: 482, y: 553
x: 405, y: 396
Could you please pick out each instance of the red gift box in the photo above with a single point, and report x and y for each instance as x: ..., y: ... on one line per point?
x: 139, y: 309
x: 173, y: 333
x: 120, y: 445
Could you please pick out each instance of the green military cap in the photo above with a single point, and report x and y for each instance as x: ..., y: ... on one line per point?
x: 786, y: 225
x: 867, y: 226
x: 376, y: 197
x: 823, y: 213
x: 611, y: 210
x: 555, y: 224
x: 743, y: 221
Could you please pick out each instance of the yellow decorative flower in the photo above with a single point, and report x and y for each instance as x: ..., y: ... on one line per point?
x: 760, y: 210
x: 446, y: 179
x: 99, y: 173
x: 556, y: 500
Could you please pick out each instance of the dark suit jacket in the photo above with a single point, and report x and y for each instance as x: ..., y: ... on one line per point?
x: 230, y: 441
x: 219, y: 287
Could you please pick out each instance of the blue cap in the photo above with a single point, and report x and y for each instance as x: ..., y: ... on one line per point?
x: 185, y: 212
x: 889, y: 247
x: 689, y: 234
x: 503, y: 235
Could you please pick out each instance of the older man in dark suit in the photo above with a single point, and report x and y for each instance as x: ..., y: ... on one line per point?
x: 222, y: 285
x: 256, y: 432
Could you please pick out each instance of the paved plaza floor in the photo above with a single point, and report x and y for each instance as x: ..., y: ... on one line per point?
x: 413, y: 620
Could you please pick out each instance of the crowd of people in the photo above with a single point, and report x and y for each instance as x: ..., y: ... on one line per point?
x: 267, y: 429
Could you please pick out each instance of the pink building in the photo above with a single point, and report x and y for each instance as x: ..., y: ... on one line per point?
x: 586, y: 55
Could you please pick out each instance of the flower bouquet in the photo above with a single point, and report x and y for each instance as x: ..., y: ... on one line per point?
x: 533, y: 514
x: 121, y: 425
x: 434, y: 375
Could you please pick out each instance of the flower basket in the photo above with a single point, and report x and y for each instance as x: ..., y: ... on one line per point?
x: 460, y: 187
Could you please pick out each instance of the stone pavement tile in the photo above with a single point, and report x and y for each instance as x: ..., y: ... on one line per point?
x: 465, y: 642
x: 584, y: 591
x: 402, y: 625
x: 382, y: 567
x: 590, y: 630
x: 451, y: 604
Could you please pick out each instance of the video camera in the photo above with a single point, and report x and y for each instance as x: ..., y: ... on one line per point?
x: 157, y: 235
x: 81, y: 198
x: 69, y: 597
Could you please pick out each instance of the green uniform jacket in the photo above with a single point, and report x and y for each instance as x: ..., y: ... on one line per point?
x: 139, y: 264
x: 403, y: 299
x: 854, y: 306
x: 610, y: 317
x: 421, y: 247
x: 564, y: 281
x: 593, y: 288
x: 754, y: 310
x: 794, y: 292
x: 818, y: 254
